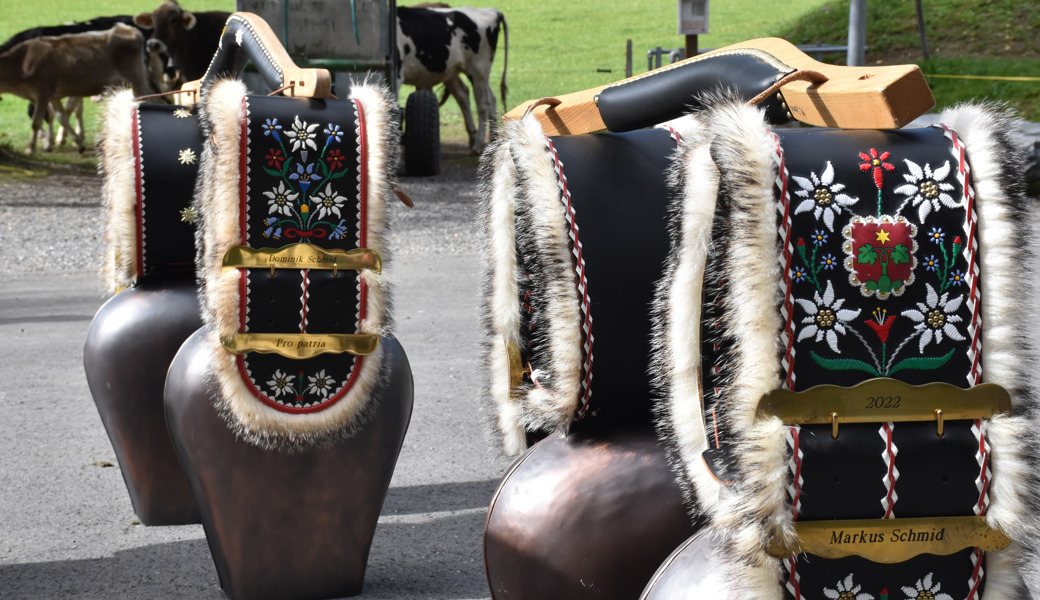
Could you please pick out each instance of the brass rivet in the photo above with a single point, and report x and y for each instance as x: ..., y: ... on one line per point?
x: 939, y: 419
x: 834, y: 425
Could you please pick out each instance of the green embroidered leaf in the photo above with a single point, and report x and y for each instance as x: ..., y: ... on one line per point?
x: 272, y: 172
x: 844, y: 364
x: 867, y: 255
x: 884, y: 284
x: 900, y: 255
x: 871, y: 285
x: 922, y: 363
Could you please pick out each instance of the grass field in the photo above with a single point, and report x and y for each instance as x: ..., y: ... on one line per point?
x: 558, y: 47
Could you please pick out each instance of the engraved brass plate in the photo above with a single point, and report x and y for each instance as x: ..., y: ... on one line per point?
x: 301, y: 256
x: 892, y: 540
x: 301, y: 345
x: 882, y: 399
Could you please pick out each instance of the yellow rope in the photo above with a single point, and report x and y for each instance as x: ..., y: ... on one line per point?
x: 990, y: 77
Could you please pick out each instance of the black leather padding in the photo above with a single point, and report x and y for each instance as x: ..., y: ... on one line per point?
x: 670, y: 92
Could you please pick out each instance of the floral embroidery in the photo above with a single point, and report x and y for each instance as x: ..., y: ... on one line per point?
x: 936, y: 317
x: 305, y: 202
x: 925, y: 188
x: 187, y: 157
x: 825, y: 318
x: 275, y: 158
x: 845, y: 590
x: 924, y: 590
x: 875, y: 163
x: 302, y: 136
x: 281, y: 199
x: 280, y: 384
x: 182, y: 113
x: 321, y: 384
x: 822, y: 196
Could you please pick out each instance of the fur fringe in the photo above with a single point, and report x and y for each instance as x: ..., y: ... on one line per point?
x: 118, y: 175
x: 524, y: 223
x: 217, y: 197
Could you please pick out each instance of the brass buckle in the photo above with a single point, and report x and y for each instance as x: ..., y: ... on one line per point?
x: 517, y: 370
x: 301, y: 345
x: 881, y: 400
x: 890, y: 540
x: 302, y: 256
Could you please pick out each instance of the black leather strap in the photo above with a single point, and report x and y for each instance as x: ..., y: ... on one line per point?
x: 669, y: 92
x: 240, y: 44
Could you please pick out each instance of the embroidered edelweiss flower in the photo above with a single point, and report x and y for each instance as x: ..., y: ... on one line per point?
x: 924, y: 590
x: 822, y: 196
x: 281, y: 384
x: 926, y: 188
x: 321, y: 384
x: 846, y: 591
x: 935, y: 317
x: 187, y: 157
x: 329, y: 202
x: 825, y: 317
x: 182, y: 113
x: 302, y: 135
x: 280, y: 200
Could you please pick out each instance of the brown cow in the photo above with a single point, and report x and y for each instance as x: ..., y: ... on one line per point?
x: 48, y: 68
x: 189, y: 38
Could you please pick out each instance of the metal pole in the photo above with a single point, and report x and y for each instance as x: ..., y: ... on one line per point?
x: 857, y: 32
x: 920, y: 29
x: 628, y: 58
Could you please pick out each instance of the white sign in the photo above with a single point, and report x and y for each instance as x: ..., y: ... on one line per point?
x: 693, y: 17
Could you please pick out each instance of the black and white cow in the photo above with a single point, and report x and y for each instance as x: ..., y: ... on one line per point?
x: 437, y: 45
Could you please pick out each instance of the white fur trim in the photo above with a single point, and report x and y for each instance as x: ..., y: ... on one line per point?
x: 118, y: 189
x: 501, y: 273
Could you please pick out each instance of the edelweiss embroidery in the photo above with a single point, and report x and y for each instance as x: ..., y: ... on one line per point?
x: 304, y: 204
x: 882, y: 254
x: 845, y: 590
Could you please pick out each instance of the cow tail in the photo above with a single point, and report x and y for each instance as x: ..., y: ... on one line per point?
x: 505, y: 61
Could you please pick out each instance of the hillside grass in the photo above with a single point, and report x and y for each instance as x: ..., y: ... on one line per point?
x: 559, y: 47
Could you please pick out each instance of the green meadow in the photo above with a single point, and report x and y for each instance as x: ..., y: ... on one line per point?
x: 559, y: 47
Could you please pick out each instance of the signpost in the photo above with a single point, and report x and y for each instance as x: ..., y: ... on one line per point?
x: 693, y: 20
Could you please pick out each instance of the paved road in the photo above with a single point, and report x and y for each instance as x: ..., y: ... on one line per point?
x: 67, y: 529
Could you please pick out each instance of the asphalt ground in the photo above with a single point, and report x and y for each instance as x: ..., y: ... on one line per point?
x: 67, y: 528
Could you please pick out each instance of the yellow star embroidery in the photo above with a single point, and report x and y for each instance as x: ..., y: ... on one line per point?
x: 188, y: 215
x: 882, y: 236
x: 182, y: 113
x: 187, y: 156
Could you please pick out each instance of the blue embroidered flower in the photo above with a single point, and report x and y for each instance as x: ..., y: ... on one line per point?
x: 334, y: 133
x: 828, y: 262
x: 339, y: 231
x: 931, y: 263
x: 937, y: 235
x: 271, y: 127
x: 305, y: 175
x: 819, y: 237
x: 957, y: 278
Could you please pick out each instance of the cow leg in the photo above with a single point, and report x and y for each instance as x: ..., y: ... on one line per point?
x: 485, y: 99
x: 41, y: 113
x: 457, y: 88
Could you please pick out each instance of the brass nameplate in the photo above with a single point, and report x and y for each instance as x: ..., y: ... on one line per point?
x: 892, y: 540
x: 301, y: 256
x: 301, y: 345
x: 882, y: 400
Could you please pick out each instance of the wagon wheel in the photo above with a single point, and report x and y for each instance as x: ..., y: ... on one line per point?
x: 422, y: 134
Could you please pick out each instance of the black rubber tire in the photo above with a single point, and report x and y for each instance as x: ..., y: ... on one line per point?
x: 422, y: 134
